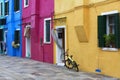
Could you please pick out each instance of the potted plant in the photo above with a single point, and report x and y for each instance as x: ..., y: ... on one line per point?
x: 15, y: 45
x: 109, y: 40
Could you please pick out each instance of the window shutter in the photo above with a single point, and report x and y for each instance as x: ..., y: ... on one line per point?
x: 101, y: 30
x: 16, y: 37
x: 1, y: 34
x: 117, y: 30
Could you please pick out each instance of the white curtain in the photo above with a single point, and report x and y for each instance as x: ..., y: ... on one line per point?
x: 55, y: 38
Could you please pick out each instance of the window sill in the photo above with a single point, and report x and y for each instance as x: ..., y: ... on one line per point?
x: 17, y: 11
x: 47, y: 42
x: 6, y: 15
x: 109, y: 49
x: 26, y: 6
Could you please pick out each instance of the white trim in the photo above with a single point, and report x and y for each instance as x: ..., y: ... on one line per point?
x: 45, y: 30
x: 17, y: 11
x: 109, y: 49
x: 18, y: 29
x: 57, y: 27
x: 110, y: 12
x: 26, y: 5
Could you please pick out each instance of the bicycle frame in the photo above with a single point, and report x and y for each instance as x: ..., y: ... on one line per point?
x: 70, y: 63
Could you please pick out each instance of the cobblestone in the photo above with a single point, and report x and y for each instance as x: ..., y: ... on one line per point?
x: 14, y: 68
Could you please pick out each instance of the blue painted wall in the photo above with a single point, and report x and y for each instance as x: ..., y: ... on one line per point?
x: 13, y: 21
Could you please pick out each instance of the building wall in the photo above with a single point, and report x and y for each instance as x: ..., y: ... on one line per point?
x: 2, y: 16
x: 81, y: 16
x: 12, y: 23
x: 29, y: 15
x: 46, y: 11
x: 35, y: 13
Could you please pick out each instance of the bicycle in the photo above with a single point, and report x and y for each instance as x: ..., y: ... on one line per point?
x: 70, y: 63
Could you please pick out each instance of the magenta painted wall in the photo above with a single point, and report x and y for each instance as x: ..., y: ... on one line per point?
x: 46, y: 11
x: 35, y: 13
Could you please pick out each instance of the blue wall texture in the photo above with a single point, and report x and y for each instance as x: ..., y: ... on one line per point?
x: 13, y: 21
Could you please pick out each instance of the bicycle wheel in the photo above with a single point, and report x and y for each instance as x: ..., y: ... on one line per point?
x: 68, y: 64
x: 75, y: 66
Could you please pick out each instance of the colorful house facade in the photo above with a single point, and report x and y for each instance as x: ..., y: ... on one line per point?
x: 2, y: 28
x: 12, y: 28
x: 83, y: 27
x: 36, y: 26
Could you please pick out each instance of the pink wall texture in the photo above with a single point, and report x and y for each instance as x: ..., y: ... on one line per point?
x: 35, y: 13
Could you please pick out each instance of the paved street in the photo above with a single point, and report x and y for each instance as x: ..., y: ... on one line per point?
x: 13, y: 68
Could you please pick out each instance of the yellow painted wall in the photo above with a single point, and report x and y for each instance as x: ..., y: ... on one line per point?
x: 87, y: 54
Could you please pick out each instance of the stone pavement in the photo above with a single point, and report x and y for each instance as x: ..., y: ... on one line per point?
x: 14, y: 68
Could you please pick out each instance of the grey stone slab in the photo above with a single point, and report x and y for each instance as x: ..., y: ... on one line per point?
x: 14, y: 68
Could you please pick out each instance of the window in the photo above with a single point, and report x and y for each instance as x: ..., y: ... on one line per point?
x: 109, y: 29
x: 26, y: 3
x: 16, y: 5
x: 1, y: 9
x: 2, y: 21
x: 17, y: 36
x: 47, y: 25
x: 1, y: 34
x: 6, y: 7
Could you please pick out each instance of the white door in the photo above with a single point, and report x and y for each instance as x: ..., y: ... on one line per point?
x: 61, y: 40
x: 28, y: 48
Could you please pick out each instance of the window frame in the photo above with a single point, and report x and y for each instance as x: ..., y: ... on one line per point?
x: 45, y: 41
x: 26, y: 5
x: 107, y: 14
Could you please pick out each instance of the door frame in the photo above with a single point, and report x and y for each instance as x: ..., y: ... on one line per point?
x: 57, y: 59
x: 27, y: 44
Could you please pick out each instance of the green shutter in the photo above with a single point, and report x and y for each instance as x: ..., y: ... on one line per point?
x: 101, y: 30
x: 117, y: 30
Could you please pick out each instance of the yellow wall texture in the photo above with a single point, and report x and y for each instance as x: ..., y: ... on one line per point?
x: 83, y: 14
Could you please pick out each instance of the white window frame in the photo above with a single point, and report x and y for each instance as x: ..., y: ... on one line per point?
x: 45, y: 30
x: 109, y: 13
x: 26, y: 5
